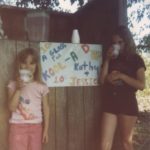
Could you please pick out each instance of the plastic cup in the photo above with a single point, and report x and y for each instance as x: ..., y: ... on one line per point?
x: 25, y: 75
x: 116, y: 50
x: 75, y: 36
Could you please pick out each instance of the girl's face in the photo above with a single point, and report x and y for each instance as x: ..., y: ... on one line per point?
x: 116, y: 39
x: 29, y: 64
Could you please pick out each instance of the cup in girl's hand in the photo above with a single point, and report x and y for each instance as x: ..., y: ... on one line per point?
x: 25, y: 75
x: 116, y: 50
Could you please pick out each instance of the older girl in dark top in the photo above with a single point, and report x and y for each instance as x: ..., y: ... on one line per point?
x: 121, y: 77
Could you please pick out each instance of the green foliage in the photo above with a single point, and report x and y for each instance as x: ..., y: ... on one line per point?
x: 146, y: 91
x: 144, y: 44
x: 43, y: 4
x: 140, y: 15
x: 36, y: 3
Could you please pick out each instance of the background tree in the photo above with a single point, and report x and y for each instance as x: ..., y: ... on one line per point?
x: 139, y: 23
x: 44, y: 4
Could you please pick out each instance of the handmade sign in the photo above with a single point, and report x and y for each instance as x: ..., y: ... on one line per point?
x: 67, y: 64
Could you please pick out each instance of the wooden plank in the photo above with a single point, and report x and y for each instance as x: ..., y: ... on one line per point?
x: 89, y: 118
x: 76, y: 127
x: 61, y: 119
x: 20, y: 45
x: 97, y: 111
x: 34, y: 45
x: 51, y: 145
x: 7, y: 54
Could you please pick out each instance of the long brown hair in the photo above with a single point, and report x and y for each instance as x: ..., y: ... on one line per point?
x: 125, y: 34
x: 21, y: 58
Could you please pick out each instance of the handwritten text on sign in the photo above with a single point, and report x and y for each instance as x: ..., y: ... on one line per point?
x: 66, y: 64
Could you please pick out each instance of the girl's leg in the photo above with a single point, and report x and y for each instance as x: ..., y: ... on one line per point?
x: 18, y: 138
x: 35, y: 137
x: 108, y: 127
x: 126, y: 125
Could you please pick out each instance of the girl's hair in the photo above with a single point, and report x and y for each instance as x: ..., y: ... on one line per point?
x: 125, y: 34
x: 21, y: 58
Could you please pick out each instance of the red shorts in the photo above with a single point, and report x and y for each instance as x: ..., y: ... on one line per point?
x: 25, y: 137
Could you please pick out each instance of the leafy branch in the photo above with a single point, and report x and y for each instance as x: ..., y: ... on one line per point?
x: 43, y: 4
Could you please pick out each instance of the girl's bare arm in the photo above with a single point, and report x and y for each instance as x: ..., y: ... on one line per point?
x: 139, y: 82
x: 13, y: 97
x: 46, y: 114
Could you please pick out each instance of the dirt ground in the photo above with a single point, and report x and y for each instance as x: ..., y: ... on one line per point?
x: 142, y: 129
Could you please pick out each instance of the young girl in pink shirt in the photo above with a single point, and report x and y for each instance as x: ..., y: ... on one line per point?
x: 28, y: 103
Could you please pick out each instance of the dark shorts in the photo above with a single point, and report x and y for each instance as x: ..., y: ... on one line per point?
x: 120, y: 103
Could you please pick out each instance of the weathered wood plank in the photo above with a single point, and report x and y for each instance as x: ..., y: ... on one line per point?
x: 51, y: 145
x: 97, y: 108
x: 35, y: 45
x: 7, y: 54
x: 61, y: 119
x: 89, y: 118
x: 76, y: 126
x: 20, y: 45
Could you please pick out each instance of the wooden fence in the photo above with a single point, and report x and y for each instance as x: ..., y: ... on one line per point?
x: 74, y: 111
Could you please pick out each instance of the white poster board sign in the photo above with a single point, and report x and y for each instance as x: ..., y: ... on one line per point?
x: 67, y: 64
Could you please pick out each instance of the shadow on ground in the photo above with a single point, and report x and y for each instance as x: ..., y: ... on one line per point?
x: 142, y: 132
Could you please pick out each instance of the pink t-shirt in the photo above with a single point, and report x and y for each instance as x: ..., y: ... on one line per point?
x: 30, y: 103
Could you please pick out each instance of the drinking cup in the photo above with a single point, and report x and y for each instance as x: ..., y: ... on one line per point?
x: 25, y: 75
x: 75, y: 36
x: 116, y: 50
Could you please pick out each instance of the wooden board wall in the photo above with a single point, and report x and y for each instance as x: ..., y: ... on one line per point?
x: 74, y: 111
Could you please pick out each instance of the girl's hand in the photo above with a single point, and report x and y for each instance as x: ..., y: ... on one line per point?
x: 45, y: 137
x: 109, y: 54
x: 20, y: 84
x: 113, y: 76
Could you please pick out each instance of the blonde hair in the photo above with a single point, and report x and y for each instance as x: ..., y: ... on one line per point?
x: 21, y: 58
